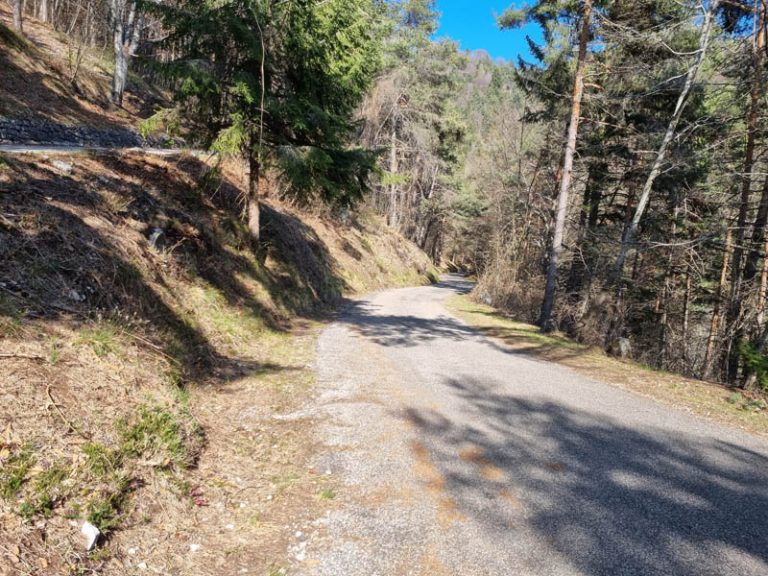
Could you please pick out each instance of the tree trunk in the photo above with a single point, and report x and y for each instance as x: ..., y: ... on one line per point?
x: 126, y: 32
x: 42, y: 11
x: 590, y: 211
x: 665, y: 296
x: 120, y: 75
x: 556, y: 249
x: 762, y: 290
x: 252, y: 207
x: 645, y: 194
x: 686, y: 314
x: 737, y: 277
x: 393, y: 216
x: 758, y: 235
x: 714, y: 328
x: 18, y: 15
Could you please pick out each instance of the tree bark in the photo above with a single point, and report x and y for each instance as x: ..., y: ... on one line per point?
x: 686, y: 312
x: 393, y: 216
x: 561, y: 213
x: 714, y: 328
x: 645, y: 194
x: 18, y: 15
x: 126, y: 32
x: 762, y: 290
x: 252, y: 206
x: 737, y: 275
x: 758, y: 236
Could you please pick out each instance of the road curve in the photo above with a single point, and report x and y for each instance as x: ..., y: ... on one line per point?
x: 456, y: 455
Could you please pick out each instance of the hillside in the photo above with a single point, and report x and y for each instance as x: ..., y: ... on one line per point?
x: 147, y: 351
x: 47, y: 77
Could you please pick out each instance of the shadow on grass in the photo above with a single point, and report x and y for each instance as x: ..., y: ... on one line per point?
x: 523, y: 338
x: 77, y: 246
x: 32, y: 93
x: 606, y: 498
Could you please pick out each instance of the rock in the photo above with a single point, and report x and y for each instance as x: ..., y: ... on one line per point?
x: 91, y: 533
x: 620, y: 347
x: 194, y: 547
x: 154, y: 237
x: 61, y: 166
x: 75, y: 296
x: 624, y: 347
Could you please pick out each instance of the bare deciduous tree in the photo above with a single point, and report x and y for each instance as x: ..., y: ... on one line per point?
x: 126, y: 22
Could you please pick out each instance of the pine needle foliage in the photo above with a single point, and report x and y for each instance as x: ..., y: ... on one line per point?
x: 279, y: 83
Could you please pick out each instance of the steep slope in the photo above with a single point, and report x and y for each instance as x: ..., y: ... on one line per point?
x: 44, y: 76
x: 147, y: 353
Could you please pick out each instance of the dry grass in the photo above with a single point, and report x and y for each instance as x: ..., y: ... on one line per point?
x: 112, y: 342
x: 713, y: 401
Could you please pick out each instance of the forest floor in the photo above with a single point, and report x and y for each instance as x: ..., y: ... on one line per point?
x: 46, y: 77
x: 453, y: 452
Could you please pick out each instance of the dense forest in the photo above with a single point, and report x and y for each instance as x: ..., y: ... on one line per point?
x: 615, y: 188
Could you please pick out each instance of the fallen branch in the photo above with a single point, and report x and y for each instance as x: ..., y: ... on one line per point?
x: 63, y: 416
x: 18, y: 355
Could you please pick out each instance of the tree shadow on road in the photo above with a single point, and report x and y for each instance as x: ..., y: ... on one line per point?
x: 407, y: 330
x: 608, y: 498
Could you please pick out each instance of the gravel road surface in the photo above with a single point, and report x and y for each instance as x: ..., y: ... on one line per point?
x: 455, y: 455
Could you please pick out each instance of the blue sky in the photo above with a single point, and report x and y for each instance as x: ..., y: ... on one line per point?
x: 472, y: 24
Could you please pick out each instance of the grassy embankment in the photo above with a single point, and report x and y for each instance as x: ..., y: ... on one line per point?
x: 145, y: 351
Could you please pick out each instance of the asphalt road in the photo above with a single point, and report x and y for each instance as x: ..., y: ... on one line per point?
x: 455, y: 455
x: 17, y: 149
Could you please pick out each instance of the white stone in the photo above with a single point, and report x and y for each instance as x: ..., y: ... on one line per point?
x: 62, y: 166
x: 91, y: 533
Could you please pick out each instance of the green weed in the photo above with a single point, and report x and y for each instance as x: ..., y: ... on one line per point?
x: 282, y: 483
x: 100, y: 460
x: 366, y: 245
x: 13, y: 472
x: 157, y: 431
x: 47, y: 491
x: 105, y: 511
x: 10, y: 317
x: 327, y: 494
x: 102, y: 340
x: 54, y: 352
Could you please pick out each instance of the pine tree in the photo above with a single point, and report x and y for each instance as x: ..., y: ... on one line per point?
x: 279, y: 83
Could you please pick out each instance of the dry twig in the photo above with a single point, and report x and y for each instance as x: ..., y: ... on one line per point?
x: 63, y: 416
